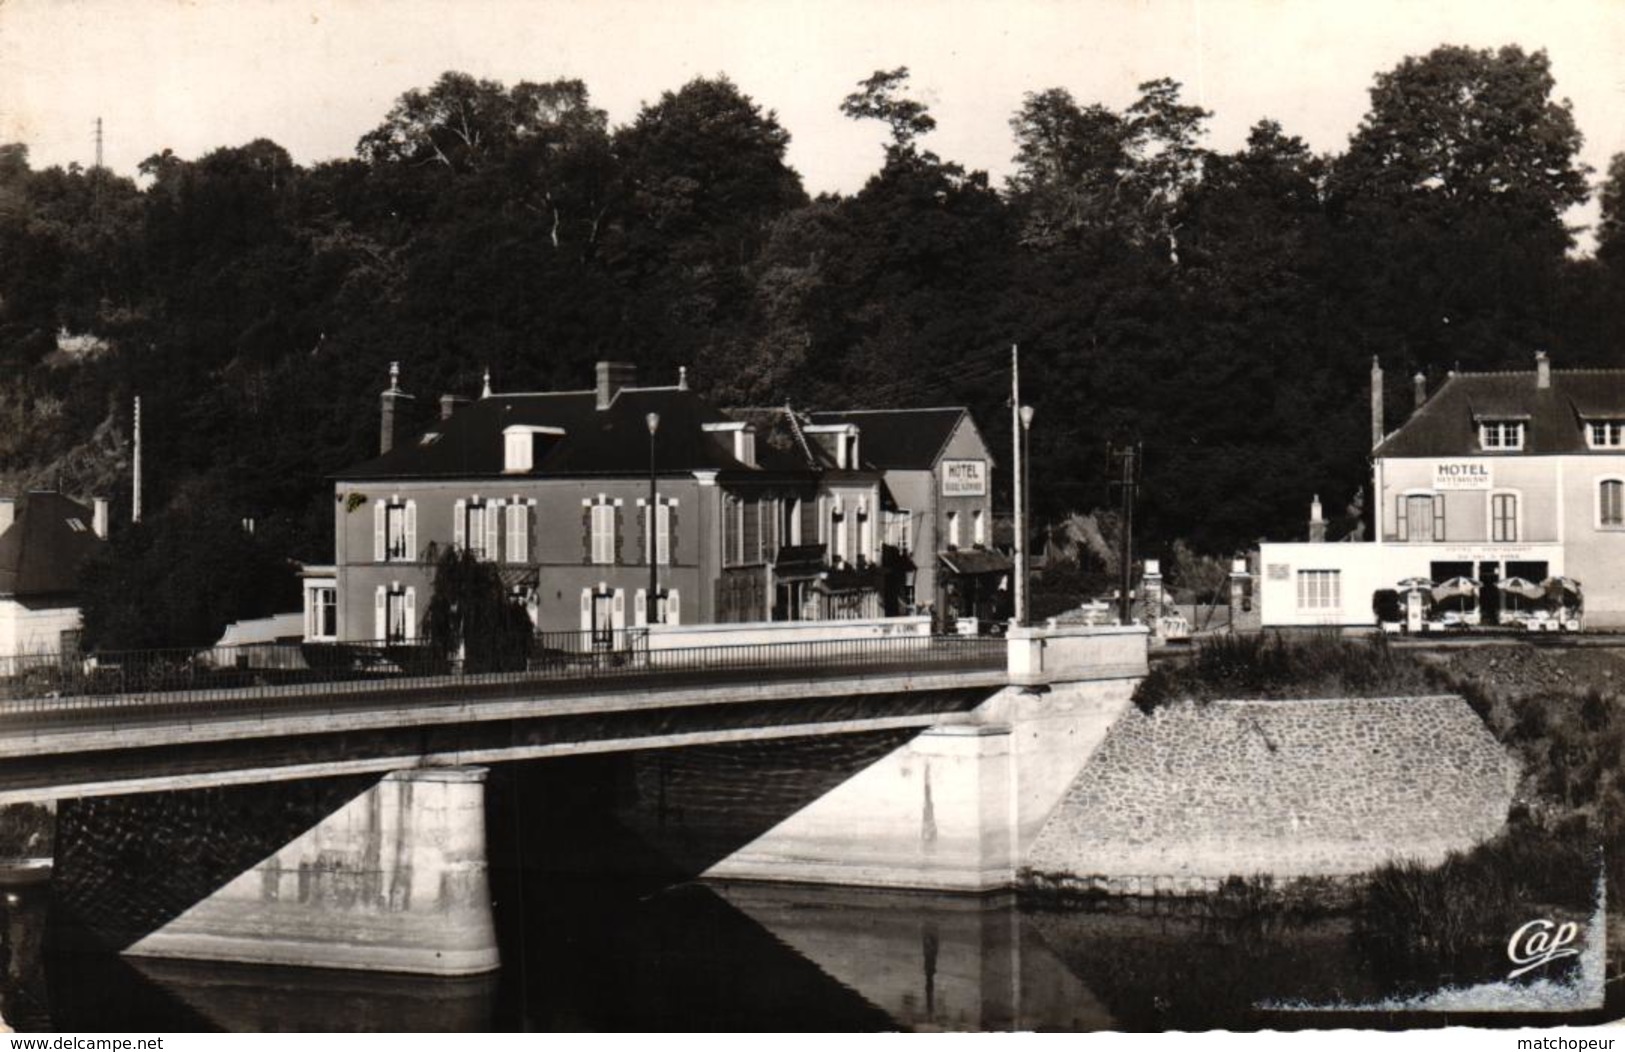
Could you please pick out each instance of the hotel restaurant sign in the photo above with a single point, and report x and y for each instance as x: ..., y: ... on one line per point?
x: 964, y: 478
x: 1463, y: 474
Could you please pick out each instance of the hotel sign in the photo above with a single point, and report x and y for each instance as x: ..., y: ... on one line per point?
x: 1463, y: 474
x: 964, y: 478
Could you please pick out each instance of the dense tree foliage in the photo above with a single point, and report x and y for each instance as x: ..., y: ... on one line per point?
x: 1219, y: 308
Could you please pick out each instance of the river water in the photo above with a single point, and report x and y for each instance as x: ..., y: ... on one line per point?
x: 603, y: 926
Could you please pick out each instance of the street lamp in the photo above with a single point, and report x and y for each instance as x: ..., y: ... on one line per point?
x: 651, y: 603
x: 1026, y: 512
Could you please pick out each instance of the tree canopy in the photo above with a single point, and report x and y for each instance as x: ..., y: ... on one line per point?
x: 1221, y: 308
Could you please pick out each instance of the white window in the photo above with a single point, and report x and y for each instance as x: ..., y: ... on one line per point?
x: 1420, y: 517
x: 322, y: 617
x: 662, y: 537
x: 837, y: 526
x: 603, y: 532
x: 395, y: 529
x: 518, y: 451
x: 1501, y: 434
x: 1504, y: 517
x: 1611, y: 503
x: 518, y: 526
x: 1320, y: 590
x: 474, y: 520
x: 666, y: 608
x: 900, y: 531
x: 395, y: 614
x: 978, y: 528
x: 953, y: 529
x: 1606, y: 434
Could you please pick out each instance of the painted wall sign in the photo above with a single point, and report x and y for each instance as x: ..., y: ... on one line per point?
x: 1463, y: 474
x: 964, y: 478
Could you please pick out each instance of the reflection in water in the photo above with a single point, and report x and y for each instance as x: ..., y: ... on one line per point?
x: 602, y: 928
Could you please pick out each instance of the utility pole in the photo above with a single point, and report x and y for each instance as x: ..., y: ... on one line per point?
x: 135, y: 499
x: 1020, y: 611
x: 98, y: 142
x: 1126, y: 478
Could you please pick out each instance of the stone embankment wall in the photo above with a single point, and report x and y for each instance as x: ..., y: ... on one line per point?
x: 1179, y: 799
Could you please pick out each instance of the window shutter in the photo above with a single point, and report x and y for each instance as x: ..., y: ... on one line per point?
x: 1401, y: 524
x: 459, y: 524
x: 493, y: 512
x: 377, y: 531
x: 618, y: 610
x: 380, y: 614
x: 640, y: 609
x: 614, y: 518
x: 586, y: 610
x: 644, y: 538
x: 586, y: 532
x: 411, y: 530
x: 671, y: 608
x: 663, y: 516
x: 411, y: 614
x: 1438, y: 517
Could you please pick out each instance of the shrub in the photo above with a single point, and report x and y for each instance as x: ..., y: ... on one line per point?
x: 1273, y: 666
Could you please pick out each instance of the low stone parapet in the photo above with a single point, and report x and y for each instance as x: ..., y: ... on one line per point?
x: 1077, y: 653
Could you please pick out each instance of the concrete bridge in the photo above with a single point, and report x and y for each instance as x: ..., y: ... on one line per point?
x: 343, y: 824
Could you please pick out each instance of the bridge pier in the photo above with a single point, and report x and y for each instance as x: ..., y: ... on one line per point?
x: 394, y: 879
x: 957, y: 807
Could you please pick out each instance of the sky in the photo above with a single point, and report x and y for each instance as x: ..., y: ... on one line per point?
x: 191, y: 75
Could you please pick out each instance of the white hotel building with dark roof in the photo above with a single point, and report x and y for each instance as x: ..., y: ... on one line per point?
x: 1495, y: 476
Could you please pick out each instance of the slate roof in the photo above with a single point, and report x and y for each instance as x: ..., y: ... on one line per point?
x: 612, y: 441
x: 1447, y: 423
x: 42, y: 551
x: 899, y: 439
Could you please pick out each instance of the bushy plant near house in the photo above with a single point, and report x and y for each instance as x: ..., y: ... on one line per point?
x: 471, y: 614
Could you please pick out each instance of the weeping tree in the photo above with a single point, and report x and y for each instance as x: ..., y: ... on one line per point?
x: 470, y: 613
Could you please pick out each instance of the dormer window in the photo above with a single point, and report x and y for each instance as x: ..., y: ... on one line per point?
x: 743, y: 436
x: 1606, y: 434
x: 519, y: 447
x: 1500, y: 434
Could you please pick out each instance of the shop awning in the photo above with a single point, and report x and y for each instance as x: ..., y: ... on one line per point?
x: 972, y: 563
x: 852, y: 579
x: 799, y: 562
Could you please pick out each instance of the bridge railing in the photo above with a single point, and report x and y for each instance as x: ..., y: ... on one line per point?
x: 348, y: 673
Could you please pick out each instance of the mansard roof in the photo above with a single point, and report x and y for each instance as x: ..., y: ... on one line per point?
x: 596, y: 442
x: 1554, y: 416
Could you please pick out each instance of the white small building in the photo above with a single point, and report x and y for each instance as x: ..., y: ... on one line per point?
x: 44, y: 540
x: 1495, y: 476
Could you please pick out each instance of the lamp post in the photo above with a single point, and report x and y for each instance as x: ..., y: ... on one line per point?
x: 1026, y: 518
x: 651, y: 601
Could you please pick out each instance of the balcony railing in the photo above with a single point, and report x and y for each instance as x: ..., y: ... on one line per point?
x: 262, y: 678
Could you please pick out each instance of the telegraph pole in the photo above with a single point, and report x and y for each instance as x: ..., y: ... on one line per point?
x: 135, y: 499
x: 1126, y: 479
x: 1020, y: 611
x: 98, y: 142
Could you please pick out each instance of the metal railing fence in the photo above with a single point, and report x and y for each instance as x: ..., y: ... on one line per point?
x: 250, y: 675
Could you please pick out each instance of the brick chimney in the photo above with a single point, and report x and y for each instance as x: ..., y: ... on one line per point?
x: 390, y: 410
x: 449, y: 404
x: 1376, y: 403
x: 612, y: 376
x: 1543, y: 370
x: 1420, y: 382
x: 8, y: 513
x: 98, y: 517
x: 1317, y: 522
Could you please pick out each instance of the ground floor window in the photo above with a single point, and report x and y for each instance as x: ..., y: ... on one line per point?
x: 1320, y: 589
